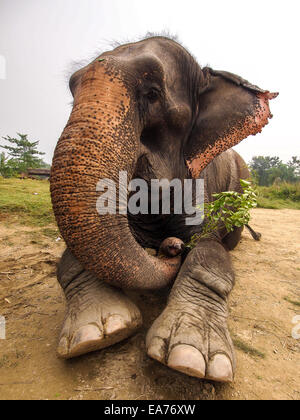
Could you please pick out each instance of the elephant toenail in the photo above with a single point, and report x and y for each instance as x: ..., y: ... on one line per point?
x: 84, y: 336
x: 220, y: 369
x: 114, y: 324
x: 157, y: 349
x: 188, y: 360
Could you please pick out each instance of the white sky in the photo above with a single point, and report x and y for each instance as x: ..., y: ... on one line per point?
x: 257, y: 39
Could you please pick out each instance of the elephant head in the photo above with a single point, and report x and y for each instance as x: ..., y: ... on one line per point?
x: 147, y: 100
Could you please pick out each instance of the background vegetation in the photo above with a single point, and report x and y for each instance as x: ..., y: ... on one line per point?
x: 280, y: 196
x: 270, y: 170
x: 26, y: 199
x: 278, y: 183
x: 22, y: 154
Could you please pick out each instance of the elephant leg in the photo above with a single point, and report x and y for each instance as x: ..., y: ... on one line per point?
x: 98, y: 315
x: 191, y: 335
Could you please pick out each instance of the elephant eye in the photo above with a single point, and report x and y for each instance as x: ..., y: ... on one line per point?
x: 152, y: 95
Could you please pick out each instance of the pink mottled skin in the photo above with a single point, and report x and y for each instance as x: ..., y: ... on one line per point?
x: 252, y: 125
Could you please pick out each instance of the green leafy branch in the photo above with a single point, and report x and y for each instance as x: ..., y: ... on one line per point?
x: 230, y: 208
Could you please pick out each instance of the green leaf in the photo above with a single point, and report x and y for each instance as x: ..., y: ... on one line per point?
x: 245, y: 183
x: 229, y: 207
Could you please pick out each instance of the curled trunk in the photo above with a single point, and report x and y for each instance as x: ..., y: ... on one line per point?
x: 100, y: 140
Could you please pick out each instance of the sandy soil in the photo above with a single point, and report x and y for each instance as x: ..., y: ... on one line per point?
x: 268, y: 357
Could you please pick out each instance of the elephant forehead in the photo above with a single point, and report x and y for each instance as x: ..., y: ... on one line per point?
x: 102, y: 82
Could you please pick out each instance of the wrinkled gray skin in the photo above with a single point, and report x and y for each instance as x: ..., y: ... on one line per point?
x: 191, y: 334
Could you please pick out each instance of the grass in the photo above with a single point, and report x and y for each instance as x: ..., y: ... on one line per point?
x: 7, y: 241
x: 39, y: 235
x: 241, y: 345
x: 51, y: 233
x: 28, y: 200
x: 282, y: 196
x: 4, y: 361
x: 293, y: 302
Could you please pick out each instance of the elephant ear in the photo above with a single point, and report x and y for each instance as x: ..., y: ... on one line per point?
x: 229, y: 110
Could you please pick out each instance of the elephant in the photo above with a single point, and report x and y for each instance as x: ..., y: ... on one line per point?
x: 148, y: 109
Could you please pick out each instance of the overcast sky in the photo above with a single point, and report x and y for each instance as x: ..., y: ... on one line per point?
x: 39, y: 39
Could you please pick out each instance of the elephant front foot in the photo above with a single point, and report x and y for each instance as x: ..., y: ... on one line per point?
x: 98, y: 315
x: 191, y: 335
x: 192, y: 341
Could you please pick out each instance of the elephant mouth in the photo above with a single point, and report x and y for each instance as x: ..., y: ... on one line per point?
x: 251, y: 125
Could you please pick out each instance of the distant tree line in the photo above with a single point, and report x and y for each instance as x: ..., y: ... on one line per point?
x: 23, y: 154
x: 20, y: 155
x: 269, y: 170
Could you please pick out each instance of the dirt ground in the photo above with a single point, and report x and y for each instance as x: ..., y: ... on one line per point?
x: 261, y: 314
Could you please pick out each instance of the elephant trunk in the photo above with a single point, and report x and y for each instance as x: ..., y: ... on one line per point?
x: 100, y: 140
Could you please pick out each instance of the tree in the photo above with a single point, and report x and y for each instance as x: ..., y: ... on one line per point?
x: 261, y: 166
x: 23, y: 153
x: 295, y: 164
x: 8, y: 167
x: 4, y: 169
x: 282, y: 172
x: 268, y: 169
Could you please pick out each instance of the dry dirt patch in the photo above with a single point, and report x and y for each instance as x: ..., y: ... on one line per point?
x: 261, y: 313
